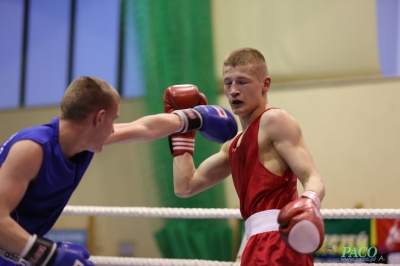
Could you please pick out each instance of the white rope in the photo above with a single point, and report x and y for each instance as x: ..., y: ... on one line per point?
x: 120, y: 261
x: 199, y: 213
x: 191, y: 213
x: 360, y: 213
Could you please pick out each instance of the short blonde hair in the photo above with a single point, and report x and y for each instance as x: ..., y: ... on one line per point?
x: 85, y: 95
x: 245, y: 56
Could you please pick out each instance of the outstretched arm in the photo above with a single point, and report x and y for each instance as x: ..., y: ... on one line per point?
x: 147, y: 128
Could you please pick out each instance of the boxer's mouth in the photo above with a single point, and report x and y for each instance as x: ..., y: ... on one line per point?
x: 236, y: 102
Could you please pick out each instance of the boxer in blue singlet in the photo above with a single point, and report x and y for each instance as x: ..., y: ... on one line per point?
x: 41, y: 166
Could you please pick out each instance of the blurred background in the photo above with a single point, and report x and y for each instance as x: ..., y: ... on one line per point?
x: 334, y: 66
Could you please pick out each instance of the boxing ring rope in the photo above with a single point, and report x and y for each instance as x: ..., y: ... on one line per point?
x: 200, y: 213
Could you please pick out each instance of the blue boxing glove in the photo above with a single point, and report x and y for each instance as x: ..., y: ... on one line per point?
x: 218, y: 123
x: 214, y: 122
x: 44, y: 252
x: 69, y: 254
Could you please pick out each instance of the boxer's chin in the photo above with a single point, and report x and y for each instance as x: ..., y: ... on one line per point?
x: 97, y: 149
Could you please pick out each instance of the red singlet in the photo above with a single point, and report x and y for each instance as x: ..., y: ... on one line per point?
x: 259, y: 190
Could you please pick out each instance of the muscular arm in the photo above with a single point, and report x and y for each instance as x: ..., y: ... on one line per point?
x: 189, y: 181
x: 21, y: 166
x: 286, y: 137
x: 147, y: 128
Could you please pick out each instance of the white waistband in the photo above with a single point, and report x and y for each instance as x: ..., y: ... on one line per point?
x: 261, y: 222
x: 13, y: 258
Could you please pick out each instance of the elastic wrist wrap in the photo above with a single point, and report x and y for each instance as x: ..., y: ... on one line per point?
x: 39, y: 251
x: 312, y: 195
x: 191, y: 119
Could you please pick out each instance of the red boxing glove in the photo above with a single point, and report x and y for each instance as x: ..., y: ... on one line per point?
x: 182, y: 97
x: 301, y: 225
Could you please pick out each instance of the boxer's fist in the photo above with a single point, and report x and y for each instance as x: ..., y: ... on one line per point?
x: 214, y: 122
x: 218, y: 123
x: 301, y: 225
x: 182, y: 97
x: 70, y: 254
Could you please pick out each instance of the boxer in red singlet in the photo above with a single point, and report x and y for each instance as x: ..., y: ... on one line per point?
x: 265, y: 161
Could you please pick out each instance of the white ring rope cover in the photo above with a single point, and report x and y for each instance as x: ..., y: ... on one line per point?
x: 200, y: 213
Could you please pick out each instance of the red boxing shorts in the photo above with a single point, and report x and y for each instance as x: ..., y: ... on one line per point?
x: 265, y: 246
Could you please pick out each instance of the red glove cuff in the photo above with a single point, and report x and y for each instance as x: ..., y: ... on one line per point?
x: 180, y: 144
x: 311, y: 194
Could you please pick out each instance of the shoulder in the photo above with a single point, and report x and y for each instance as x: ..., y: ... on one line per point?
x: 25, y: 152
x: 279, y: 123
x: 27, y: 146
x: 24, y: 161
x: 40, y: 134
x: 27, y: 138
x: 276, y: 116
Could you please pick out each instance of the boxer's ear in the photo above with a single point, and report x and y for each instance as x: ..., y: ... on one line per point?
x: 100, y: 118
